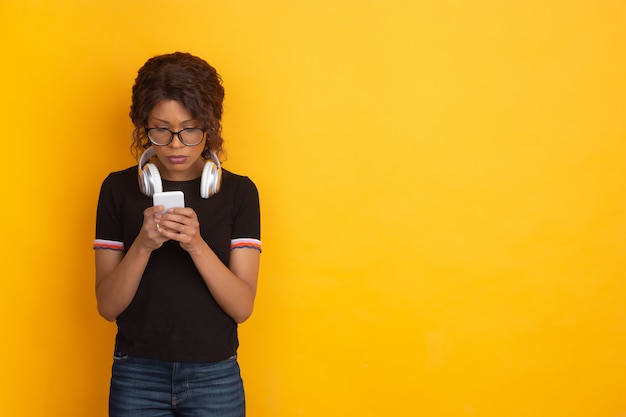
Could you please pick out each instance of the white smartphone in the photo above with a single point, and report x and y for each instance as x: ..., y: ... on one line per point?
x: 169, y: 199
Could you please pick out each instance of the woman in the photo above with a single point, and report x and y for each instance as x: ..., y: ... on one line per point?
x: 177, y: 282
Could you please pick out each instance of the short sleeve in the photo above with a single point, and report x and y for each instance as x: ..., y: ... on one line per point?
x: 247, y: 217
x: 108, y: 219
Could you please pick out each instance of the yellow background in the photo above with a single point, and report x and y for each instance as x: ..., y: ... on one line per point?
x: 443, y: 198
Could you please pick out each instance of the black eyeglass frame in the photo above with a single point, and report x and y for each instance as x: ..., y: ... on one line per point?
x: 172, y: 133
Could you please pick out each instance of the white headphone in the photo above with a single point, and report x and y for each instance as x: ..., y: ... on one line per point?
x: 150, y: 179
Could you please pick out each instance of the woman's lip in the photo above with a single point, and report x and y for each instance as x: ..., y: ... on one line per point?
x: 177, y: 159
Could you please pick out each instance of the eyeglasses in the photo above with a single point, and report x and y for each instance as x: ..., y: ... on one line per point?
x: 189, y: 136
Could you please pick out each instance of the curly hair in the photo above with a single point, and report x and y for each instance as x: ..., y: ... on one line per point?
x: 185, y: 78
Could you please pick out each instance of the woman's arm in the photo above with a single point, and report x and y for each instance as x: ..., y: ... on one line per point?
x: 118, y: 275
x: 234, y: 289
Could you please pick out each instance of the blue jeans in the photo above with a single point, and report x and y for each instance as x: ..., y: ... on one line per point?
x: 152, y: 388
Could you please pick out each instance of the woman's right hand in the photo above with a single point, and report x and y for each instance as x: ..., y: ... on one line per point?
x: 149, y: 236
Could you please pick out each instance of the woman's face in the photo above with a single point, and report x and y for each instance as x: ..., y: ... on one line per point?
x: 176, y: 161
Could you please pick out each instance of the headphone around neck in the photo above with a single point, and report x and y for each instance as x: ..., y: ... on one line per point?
x: 150, y: 178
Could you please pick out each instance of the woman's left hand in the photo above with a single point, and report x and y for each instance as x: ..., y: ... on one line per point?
x: 181, y: 224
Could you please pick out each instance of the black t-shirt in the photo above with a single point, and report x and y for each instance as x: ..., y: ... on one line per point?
x: 173, y: 316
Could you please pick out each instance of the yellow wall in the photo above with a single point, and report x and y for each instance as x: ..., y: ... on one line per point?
x: 443, y: 194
